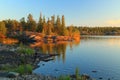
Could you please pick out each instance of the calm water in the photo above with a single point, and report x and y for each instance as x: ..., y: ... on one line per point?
x: 98, y: 53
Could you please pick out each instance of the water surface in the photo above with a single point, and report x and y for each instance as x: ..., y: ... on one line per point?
x: 91, y: 53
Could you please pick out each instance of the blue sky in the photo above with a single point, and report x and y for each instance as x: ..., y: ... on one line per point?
x: 77, y: 12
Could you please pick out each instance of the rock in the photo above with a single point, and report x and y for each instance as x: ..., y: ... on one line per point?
x: 73, y: 76
x: 94, y: 71
x: 100, y: 78
x: 12, y: 74
x: 108, y: 78
x: 46, y: 60
x: 13, y: 49
x: 3, y: 74
x: 86, y: 76
x: 56, y: 70
x: 43, y: 64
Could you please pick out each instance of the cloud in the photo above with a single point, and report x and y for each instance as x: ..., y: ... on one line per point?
x: 113, y: 22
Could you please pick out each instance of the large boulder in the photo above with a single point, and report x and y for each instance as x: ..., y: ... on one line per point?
x: 12, y: 75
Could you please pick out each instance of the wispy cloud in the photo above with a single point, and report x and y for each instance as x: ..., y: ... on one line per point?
x: 113, y: 22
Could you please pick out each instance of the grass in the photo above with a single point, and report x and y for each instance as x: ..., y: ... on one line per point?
x: 27, y: 69
x: 5, y: 68
x: 77, y: 73
x: 24, y: 69
x: 25, y: 50
x: 64, y: 78
x: 77, y: 76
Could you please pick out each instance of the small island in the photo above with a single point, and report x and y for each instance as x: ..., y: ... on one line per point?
x: 50, y: 30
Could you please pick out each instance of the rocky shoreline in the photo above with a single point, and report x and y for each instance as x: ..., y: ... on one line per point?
x: 6, y: 76
x: 16, y: 76
x: 12, y: 59
x: 9, y: 58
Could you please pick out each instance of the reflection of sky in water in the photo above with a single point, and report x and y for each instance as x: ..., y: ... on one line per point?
x: 101, y: 54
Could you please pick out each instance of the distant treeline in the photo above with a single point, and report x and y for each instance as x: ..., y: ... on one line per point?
x: 99, y: 30
x: 51, y: 26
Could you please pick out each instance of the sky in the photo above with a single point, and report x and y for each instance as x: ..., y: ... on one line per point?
x: 76, y: 12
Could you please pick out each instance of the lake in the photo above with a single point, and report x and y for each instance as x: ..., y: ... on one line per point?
x: 91, y: 53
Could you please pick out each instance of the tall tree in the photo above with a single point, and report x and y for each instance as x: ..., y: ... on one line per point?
x: 53, y: 22
x: 8, y: 24
x: 63, y: 21
x: 3, y: 28
x: 44, y: 30
x: 15, y: 25
x: 63, y: 26
x: 53, y: 19
x: 58, y: 25
x: 49, y: 27
x: 31, y: 23
x: 12, y: 25
x: 23, y: 23
x: 40, y: 24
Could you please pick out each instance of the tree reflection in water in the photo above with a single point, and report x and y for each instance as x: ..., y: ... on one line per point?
x: 8, y: 41
x: 55, y: 48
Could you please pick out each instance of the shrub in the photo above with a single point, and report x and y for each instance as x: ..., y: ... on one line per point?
x: 25, y: 50
x: 77, y: 73
x: 20, y: 69
x: 29, y: 68
x: 24, y: 69
x: 6, y: 67
x: 64, y: 78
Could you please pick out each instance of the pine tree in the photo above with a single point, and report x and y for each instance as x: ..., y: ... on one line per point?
x: 53, y: 23
x: 8, y: 24
x: 63, y: 26
x: 53, y: 19
x: 3, y: 28
x: 58, y: 25
x: 63, y: 21
x: 44, y: 30
x: 15, y: 25
x: 40, y: 24
x: 49, y: 27
x: 23, y: 23
x: 31, y: 24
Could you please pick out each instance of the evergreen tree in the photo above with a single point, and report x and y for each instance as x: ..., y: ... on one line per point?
x: 12, y: 25
x: 63, y: 21
x: 40, y: 24
x: 44, y: 30
x: 58, y: 26
x: 15, y: 25
x: 53, y: 23
x: 53, y: 19
x: 3, y: 28
x: 8, y: 24
x: 63, y: 26
x: 31, y: 24
x: 49, y: 27
x: 23, y: 24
